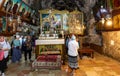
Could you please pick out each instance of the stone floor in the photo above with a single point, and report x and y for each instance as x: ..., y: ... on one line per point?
x: 98, y: 66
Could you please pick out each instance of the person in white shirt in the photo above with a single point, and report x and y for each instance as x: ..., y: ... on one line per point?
x: 5, y: 46
x: 20, y: 38
x: 73, y: 47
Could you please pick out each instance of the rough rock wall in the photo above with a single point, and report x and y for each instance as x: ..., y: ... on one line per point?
x: 93, y: 37
x: 111, y: 44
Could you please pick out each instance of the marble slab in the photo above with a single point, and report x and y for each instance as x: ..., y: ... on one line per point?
x: 49, y: 42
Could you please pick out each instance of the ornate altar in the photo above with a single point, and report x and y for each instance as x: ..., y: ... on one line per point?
x: 48, y: 54
x: 50, y: 45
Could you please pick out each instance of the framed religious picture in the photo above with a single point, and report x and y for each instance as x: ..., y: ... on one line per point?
x: 1, y: 3
x: 7, y: 27
x: 11, y: 5
x: 7, y: 6
x: 65, y: 23
x: 16, y: 6
x: 75, y: 22
x: 45, y: 22
x: 4, y: 23
x: 23, y: 8
x: 52, y: 20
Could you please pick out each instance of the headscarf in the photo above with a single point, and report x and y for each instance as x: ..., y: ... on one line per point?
x: 17, y: 36
x: 73, y: 37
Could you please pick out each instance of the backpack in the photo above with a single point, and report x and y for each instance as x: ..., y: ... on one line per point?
x: 1, y: 55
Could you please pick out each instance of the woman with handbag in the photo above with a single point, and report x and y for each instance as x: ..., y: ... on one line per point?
x: 4, y: 46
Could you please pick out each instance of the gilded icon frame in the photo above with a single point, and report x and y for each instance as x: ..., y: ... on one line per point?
x: 52, y: 13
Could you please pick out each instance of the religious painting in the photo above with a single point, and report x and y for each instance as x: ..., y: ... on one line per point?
x: 65, y: 22
x: 7, y: 5
x: 23, y: 9
x: 4, y: 23
x: 45, y: 22
x: 11, y: 5
x: 16, y: 6
x: 75, y: 22
x: 7, y: 26
x: 1, y: 3
x: 54, y: 21
x: 14, y: 26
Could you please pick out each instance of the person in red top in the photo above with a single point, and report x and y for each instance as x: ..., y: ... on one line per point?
x: 5, y: 46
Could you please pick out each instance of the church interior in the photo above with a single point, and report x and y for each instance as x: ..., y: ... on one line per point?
x: 44, y: 29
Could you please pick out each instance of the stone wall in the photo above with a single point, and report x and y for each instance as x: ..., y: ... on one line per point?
x: 111, y: 44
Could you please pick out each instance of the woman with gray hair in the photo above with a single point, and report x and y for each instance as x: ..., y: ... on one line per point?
x: 73, y: 47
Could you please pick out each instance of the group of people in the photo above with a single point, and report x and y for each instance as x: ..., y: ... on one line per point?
x: 25, y: 45
x: 18, y: 45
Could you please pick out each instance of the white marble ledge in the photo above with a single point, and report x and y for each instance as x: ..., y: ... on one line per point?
x: 49, y: 42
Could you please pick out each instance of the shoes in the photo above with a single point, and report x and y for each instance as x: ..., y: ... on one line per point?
x: 3, y: 74
x: 76, y: 68
x: 17, y: 62
x: 31, y: 60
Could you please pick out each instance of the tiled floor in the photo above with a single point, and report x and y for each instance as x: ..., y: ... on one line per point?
x: 98, y: 66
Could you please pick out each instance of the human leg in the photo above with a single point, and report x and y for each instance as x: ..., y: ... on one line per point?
x: 14, y: 59
x: 25, y: 55
x: 6, y: 60
x: 73, y: 62
x: 2, y: 67
x: 29, y: 54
